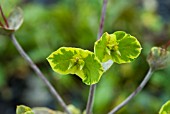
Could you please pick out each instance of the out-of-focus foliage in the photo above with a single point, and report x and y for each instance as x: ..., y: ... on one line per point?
x: 22, y: 109
x: 75, y: 23
x: 9, y: 5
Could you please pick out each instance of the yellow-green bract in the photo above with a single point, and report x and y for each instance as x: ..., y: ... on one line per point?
x: 165, y: 109
x: 119, y: 47
x: 21, y: 109
x: 83, y: 63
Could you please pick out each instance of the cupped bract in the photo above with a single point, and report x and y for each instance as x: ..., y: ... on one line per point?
x: 21, y: 109
x: 119, y: 47
x: 83, y: 63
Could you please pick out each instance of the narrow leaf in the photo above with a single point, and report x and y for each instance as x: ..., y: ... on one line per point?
x: 83, y: 63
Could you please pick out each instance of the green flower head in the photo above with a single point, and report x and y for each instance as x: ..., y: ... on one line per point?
x: 119, y: 47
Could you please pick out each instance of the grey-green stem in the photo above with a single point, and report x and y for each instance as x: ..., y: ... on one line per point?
x: 89, y: 105
x: 90, y: 99
x: 134, y: 93
x: 39, y: 73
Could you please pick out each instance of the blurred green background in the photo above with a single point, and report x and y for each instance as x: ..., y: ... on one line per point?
x: 50, y: 24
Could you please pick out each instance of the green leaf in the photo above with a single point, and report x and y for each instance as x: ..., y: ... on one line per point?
x: 83, y: 63
x: 165, y: 109
x: 119, y: 47
x: 21, y: 109
x: 15, y: 19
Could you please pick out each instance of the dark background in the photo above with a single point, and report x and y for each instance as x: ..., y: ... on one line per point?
x: 50, y: 24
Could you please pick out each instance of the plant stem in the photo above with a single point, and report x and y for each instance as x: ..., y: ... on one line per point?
x: 1, y: 24
x: 167, y: 45
x: 134, y: 93
x: 90, y: 99
x: 39, y: 73
x: 102, y: 19
x: 89, y: 105
x: 4, y: 18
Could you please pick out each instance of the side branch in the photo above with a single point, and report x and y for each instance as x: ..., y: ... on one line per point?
x: 39, y: 73
x: 133, y: 94
x: 3, y: 17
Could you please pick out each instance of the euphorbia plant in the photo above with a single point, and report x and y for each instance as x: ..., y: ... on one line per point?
x: 118, y: 47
